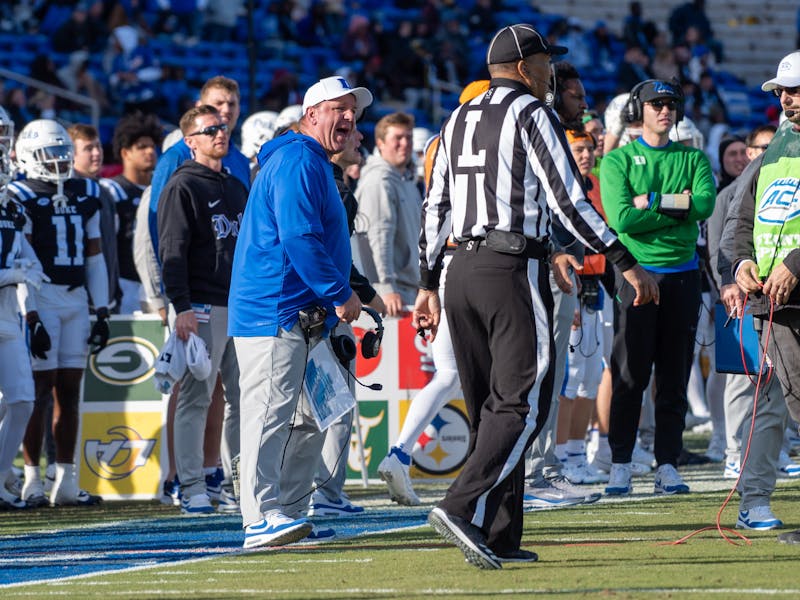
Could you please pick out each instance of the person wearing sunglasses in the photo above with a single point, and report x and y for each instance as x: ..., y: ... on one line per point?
x: 760, y: 239
x: 198, y: 226
x: 654, y: 192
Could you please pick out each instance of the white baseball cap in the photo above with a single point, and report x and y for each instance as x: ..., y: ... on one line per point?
x: 170, y: 365
x: 331, y: 88
x: 788, y: 74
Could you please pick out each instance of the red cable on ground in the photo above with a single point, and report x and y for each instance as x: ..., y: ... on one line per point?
x: 717, y: 523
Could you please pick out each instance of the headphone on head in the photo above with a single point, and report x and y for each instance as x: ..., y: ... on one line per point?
x: 345, y: 348
x: 634, y: 110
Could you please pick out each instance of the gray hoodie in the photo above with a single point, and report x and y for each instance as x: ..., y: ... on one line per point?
x: 387, y: 228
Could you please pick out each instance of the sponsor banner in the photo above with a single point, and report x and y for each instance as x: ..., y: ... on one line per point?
x: 120, y: 454
x: 374, y: 426
x: 123, y: 370
x: 405, y: 366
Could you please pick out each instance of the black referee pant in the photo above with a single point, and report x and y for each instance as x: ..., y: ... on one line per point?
x: 500, y: 312
x: 653, y: 334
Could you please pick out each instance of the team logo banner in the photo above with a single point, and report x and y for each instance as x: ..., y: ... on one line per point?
x: 123, y: 370
x: 404, y: 366
x: 120, y: 454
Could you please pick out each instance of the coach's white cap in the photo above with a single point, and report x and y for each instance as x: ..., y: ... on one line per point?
x: 788, y: 75
x: 331, y: 88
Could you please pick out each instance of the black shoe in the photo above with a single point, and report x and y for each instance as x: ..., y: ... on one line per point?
x: 517, y: 556
x: 691, y: 458
x: 790, y: 537
x: 466, y: 537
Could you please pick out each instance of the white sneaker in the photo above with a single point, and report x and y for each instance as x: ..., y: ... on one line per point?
x: 642, y: 457
x: 227, y: 502
x: 10, y: 500
x: 561, y: 483
x: 668, y: 481
x: 759, y: 518
x: 787, y: 467
x: 395, y: 474
x: 581, y: 472
x: 619, y: 481
x: 276, y: 529
x: 33, y: 493
x: 732, y: 470
x: 602, y: 462
x: 549, y: 496
x: 14, y: 483
x: 197, y: 505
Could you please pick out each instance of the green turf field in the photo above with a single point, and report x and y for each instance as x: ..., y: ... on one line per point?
x: 612, y: 549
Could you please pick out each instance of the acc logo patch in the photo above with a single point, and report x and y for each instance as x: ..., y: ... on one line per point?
x: 124, y: 361
x: 442, y: 447
x: 780, y: 202
x: 120, y: 455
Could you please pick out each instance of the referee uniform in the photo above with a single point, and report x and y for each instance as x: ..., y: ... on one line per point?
x: 502, y: 169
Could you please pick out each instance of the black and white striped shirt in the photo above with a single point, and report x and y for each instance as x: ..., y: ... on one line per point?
x: 503, y: 163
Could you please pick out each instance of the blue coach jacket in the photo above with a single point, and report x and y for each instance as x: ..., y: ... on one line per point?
x: 294, y: 246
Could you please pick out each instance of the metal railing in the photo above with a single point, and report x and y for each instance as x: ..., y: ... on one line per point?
x: 94, y: 106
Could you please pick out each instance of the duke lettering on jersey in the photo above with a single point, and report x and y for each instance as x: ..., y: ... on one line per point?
x: 59, y: 233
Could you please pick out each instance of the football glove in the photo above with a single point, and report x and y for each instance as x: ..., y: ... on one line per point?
x: 100, y: 331
x: 39, y: 339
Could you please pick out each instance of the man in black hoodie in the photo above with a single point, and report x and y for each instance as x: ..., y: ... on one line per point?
x: 198, y: 224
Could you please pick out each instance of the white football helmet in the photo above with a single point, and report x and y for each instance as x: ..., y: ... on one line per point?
x: 6, y: 173
x: 288, y: 115
x: 6, y: 130
x: 45, y: 151
x: 257, y: 129
x: 686, y: 131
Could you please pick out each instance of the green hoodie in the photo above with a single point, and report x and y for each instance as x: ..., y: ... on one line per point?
x: 656, y: 240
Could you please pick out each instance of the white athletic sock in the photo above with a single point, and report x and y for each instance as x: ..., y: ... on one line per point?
x: 32, y: 473
x: 576, y: 447
x: 65, y: 488
x: 561, y: 452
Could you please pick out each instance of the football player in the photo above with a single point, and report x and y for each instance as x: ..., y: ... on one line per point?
x: 62, y: 224
x: 18, y: 265
x: 135, y: 140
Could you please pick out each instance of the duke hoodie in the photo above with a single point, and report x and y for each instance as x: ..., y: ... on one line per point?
x: 198, y: 225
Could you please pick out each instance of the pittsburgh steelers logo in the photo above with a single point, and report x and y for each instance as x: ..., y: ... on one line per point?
x: 442, y: 447
x: 124, y: 361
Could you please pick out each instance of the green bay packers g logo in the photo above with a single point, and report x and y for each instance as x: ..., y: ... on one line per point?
x: 124, y: 361
x: 119, y: 456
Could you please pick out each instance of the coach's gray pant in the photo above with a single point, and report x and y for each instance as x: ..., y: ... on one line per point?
x: 332, y: 470
x: 541, y: 461
x: 194, y: 399
x: 761, y: 468
x: 280, y: 441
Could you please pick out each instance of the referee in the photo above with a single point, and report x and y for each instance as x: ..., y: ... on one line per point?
x: 502, y: 166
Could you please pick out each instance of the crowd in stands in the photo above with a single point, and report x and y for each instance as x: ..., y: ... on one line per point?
x: 153, y: 55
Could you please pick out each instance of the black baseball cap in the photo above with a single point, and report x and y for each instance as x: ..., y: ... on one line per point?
x: 516, y: 42
x: 654, y: 89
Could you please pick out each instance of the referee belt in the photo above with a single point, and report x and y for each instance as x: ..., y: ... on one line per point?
x: 504, y: 242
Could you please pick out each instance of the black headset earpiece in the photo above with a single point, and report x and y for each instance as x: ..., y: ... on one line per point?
x: 633, y: 108
x: 371, y: 342
x: 634, y: 111
x: 345, y: 348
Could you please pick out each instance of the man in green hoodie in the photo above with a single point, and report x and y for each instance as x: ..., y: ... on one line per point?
x: 654, y: 192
